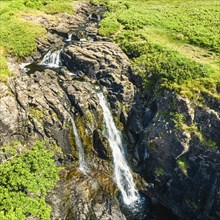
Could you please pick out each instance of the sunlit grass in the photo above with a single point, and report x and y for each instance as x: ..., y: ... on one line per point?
x: 172, y: 45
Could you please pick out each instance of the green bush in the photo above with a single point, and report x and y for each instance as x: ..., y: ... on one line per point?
x: 109, y: 26
x: 38, y: 4
x: 24, y: 182
x: 158, y: 65
x: 19, y: 37
x: 4, y: 71
x: 58, y: 7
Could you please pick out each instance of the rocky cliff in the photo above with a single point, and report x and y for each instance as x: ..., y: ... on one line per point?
x: 177, y: 166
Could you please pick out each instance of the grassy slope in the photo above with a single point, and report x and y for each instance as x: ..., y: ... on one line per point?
x: 17, y: 36
x: 172, y: 45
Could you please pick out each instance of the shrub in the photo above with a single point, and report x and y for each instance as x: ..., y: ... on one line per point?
x: 58, y: 7
x: 109, y: 26
x: 37, y: 4
x: 19, y: 37
x: 24, y: 182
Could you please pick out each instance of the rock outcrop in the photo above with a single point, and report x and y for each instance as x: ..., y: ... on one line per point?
x: 181, y: 158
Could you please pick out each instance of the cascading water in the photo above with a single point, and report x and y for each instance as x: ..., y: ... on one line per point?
x: 123, y: 174
x: 51, y: 59
x: 82, y: 164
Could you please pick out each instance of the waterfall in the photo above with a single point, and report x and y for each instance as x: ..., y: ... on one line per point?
x: 82, y: 164
x: 51, y: 59
x: 123, y: 176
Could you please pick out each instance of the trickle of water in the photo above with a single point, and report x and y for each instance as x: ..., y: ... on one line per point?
x: 69, y: 37
x: 123, y: 176
x: 82, y: 164
x: 51, y: 59
x: 23, y: 67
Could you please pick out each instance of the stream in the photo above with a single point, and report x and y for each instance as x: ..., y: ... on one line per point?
x: 134, y: 204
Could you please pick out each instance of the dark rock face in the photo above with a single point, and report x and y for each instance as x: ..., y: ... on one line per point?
x: 209, y: 122
x: 99, y: 146
x: 189, y: 187
x: 104, y: 63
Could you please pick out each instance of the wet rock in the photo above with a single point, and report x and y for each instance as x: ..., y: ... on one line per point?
x: 84, y: 198
x: 180, y: 164
x: 104, y: 62
x: 208, y: 121
x: 99, y: 146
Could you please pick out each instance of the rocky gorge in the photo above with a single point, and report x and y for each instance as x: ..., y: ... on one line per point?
x: 172, y: 167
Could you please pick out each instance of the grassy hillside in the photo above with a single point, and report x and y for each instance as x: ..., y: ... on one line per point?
x: 172, y: 45
x: 18, y: 36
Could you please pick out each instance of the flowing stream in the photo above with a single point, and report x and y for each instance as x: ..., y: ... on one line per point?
x: 123, y: 176
x: 52, y: 59
x: 82, y: 164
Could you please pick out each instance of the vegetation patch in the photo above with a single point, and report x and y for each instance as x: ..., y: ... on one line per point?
x: 37, y: 114
x: 24, y: 181
x: 4, y: 70
x: 58, y: 7
x: 159, y: 171
x: 171, y: 45
x: 180, y: 125
x: 110, y: 25
x: 183, y: 164
x: 22, y: 36
x: 194, y: 22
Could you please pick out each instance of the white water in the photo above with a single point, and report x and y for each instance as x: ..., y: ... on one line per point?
x: 69, y: 37
x: 23, y: 67
x: 82, y: 164
x: 51, y: 59
x: 123, y: 174
x: 71, y: 73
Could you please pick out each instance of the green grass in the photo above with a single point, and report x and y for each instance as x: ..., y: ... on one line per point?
x: 17, y: 35
x: 4, y: 71
x: 58, y: 7
x: 194, y: 22
x: 171, y: 44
